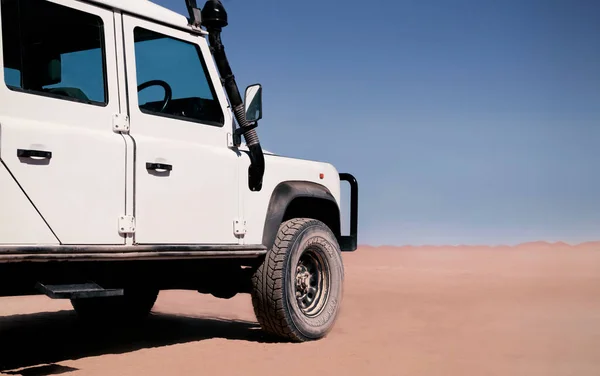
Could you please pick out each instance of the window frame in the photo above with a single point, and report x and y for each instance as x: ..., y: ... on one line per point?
x: 105, y: 83
x: 205, y: 70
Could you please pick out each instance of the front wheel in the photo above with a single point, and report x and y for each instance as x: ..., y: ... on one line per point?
x: 298, y: 289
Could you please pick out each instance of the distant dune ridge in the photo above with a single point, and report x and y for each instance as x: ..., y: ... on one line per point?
x: 529, y: 246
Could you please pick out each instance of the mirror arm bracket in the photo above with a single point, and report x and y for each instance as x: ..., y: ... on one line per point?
x: 194, y: 12
x: 238, y: 132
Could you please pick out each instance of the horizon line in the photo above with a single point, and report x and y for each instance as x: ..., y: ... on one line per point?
x: 528, y: 243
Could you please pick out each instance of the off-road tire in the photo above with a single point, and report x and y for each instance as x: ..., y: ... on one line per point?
x: 274, y: 284
x: 133, y: 306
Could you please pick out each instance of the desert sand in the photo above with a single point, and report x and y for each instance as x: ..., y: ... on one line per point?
x: 532, y: 309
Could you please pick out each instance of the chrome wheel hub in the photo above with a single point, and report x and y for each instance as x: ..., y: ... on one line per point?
x: 311, y: 283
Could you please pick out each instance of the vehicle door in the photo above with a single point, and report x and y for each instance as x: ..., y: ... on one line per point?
x: 58, y: 98
x: 186, y: 176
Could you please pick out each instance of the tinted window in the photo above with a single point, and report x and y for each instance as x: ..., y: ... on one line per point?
x: 53, y: 50
x: 166, y: 64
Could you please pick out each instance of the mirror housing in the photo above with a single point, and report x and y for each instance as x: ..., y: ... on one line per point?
x: 253, y: 103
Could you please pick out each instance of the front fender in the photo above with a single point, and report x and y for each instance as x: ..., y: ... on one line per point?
x: 286, y: 192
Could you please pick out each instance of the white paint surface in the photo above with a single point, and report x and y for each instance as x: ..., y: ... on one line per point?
x: 80, y: 191
x: 96, y: 175
x: 20, y: 223
x: 198, y: 200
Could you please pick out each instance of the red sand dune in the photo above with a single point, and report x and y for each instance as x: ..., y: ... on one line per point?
x: 531, y: 309
x: 538, y: 245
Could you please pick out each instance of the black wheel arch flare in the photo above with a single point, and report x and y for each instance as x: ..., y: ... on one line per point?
x: 293, y: 199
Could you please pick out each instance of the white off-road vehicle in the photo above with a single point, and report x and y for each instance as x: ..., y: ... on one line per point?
x: 123, y: 171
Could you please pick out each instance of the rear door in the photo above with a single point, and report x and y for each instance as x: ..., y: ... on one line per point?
x: 186, y: 176
x: 58, y: 98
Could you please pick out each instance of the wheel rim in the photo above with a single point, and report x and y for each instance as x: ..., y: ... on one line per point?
x: 312, y: 282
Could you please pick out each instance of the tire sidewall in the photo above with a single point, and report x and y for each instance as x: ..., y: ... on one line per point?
x: 322, y: 240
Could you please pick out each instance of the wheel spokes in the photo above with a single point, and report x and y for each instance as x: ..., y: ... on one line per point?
x: 311, y: 275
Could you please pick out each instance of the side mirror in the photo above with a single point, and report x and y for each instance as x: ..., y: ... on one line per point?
x: 253, y: 103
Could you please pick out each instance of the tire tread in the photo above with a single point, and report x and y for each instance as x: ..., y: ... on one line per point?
x: 268, y: 291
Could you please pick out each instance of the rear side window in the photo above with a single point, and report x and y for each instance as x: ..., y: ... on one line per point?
x: 53, y: 50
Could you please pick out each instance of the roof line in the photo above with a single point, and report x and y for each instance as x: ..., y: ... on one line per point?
x: 151, y: 11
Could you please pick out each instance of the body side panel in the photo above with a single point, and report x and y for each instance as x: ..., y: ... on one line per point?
x: 197, y: 201
x: 278, y: 170
x: 80, y: 190
x: 20, y: 223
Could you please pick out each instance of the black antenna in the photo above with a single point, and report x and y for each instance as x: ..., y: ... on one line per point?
x: 195, y: 13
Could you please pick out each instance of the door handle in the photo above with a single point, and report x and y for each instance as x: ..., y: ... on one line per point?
x: 28, y: 153
x: 158, y: 166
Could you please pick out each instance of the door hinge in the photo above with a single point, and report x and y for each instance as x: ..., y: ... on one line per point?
x: 230, y: 142
x: 126, y: 224
x: 239, y: 227
x: 120, y: 123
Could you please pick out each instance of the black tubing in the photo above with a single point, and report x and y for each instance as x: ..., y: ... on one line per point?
x: 257, y: 161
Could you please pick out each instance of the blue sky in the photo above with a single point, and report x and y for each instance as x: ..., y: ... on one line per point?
x: 465, y: 121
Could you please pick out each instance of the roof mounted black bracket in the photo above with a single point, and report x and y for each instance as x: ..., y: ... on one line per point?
x: 195, y: 13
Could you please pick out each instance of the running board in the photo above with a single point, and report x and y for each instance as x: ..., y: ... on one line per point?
x: 77, y: 291
x: 138, y: 252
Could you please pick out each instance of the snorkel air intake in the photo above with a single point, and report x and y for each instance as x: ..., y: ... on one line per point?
x: 214, y: 18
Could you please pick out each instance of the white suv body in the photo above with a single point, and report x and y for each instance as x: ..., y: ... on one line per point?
x: 98, y: 163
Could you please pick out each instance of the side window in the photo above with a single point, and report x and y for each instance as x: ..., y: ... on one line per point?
x: 173, y: 80
x: 53, y: 50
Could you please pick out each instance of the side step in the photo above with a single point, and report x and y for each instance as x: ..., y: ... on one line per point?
x: 77, y: 291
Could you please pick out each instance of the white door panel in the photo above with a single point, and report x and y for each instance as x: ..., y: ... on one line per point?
x: 197, y: 201
x: 186, y: 205
x: 20, y: 223
x: 80, y: 189
x: 62, y: 98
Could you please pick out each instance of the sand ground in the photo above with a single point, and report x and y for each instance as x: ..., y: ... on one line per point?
x: 410, y: 311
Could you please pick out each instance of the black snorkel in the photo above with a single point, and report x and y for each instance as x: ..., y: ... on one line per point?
x: 214, y: 17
